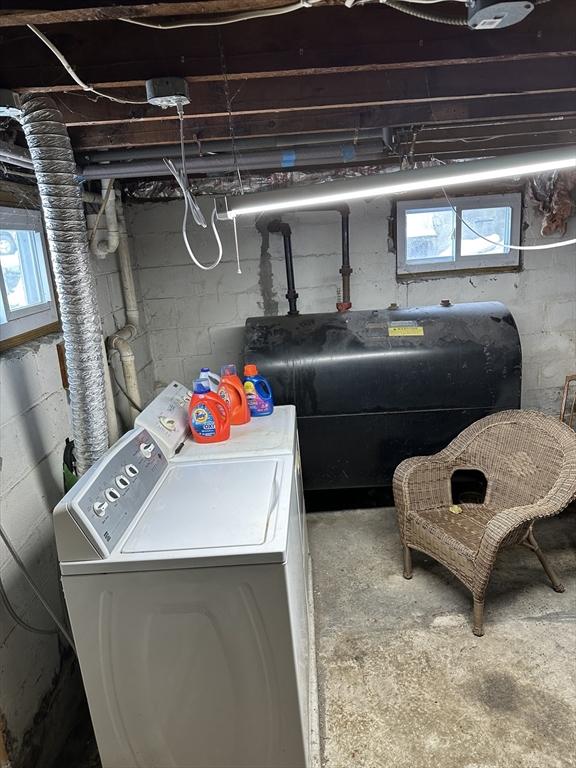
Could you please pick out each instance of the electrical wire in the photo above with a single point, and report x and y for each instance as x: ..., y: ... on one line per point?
x: 404, y: 7
x: 509, y: 246
x: 232, y: 19
x: 18, y: 619
x: 121, y: 388
x: 68, y: 67
x: 190, y: 204
x: 35, y: 589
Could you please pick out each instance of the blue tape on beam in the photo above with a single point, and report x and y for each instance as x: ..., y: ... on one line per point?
x: 288, y: 158
x: 348, y: 152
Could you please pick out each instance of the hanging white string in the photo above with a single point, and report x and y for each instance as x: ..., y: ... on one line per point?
x: 509, y: 246
x: 68, y: 67
x: 190, y: 204
x: 235, y: 220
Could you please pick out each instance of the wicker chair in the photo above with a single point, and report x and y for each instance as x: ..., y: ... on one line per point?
x: 529, y: 462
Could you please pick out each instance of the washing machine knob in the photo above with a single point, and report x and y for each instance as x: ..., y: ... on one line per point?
x: 146, y: 449
x: 100, y: 508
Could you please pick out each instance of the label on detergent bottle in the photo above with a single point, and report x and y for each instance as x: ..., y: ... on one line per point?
x: 203, y: 421
x: 225, y: 395
x: 255, y: 402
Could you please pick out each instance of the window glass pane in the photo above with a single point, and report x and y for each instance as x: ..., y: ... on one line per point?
x: 23, y: 269
x: 430, y: 234
x: 492, y: 223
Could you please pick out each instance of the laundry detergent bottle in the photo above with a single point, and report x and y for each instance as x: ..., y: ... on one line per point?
x: 231, y: 390
x: 212, y: 380
x: 258, y: 392
x: 209, y: 416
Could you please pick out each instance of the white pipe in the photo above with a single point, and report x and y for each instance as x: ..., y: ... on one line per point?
x: 101, y: 247
x: 111, y: 415
x: 120, y: 341
x: 126, y: 273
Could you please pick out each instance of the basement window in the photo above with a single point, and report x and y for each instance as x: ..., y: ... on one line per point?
x: 27, y: 305
x: 465, y: 234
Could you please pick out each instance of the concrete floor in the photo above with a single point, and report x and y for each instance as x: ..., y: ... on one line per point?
x: 403, y: 682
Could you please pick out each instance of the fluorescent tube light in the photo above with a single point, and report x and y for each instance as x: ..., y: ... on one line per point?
x: 397, y: 183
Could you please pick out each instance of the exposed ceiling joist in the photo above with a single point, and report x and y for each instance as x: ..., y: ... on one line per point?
x: 14, y: 18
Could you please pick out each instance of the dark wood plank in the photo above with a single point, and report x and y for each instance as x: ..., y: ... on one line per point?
x: 337, y: 91
x: 166, y: 132
x: 361, y: 37
x: 13, y: 17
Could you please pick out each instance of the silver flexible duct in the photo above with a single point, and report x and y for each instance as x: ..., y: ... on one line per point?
x: 60, y: 193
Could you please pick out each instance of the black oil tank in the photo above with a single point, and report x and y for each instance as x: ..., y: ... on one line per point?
x: 374, y: 387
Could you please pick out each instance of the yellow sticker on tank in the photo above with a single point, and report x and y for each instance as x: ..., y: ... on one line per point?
x: 406, y: 330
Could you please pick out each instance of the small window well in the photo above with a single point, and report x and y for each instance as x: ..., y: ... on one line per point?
x: 27, y: 305
x: 469, y: 233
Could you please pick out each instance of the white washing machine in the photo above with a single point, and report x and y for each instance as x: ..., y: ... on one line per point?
x: 185, y: 576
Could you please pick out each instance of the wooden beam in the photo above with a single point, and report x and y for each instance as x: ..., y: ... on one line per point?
x: 342, y: 91
x: 359, y: 37
x: 200, y: 8
x: 166, y: 132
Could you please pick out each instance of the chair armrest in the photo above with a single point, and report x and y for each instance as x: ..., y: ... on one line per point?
x: 422, y: 482
x: 504, y: 523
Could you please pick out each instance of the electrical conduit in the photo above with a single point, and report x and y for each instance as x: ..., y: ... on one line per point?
x: 60, y: 193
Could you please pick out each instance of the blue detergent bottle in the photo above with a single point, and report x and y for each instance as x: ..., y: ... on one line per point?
x: 258, y: 392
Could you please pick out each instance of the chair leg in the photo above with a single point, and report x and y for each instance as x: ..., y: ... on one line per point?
x: 478, y: 627
x: 407, y: 562
x: 532, y: 544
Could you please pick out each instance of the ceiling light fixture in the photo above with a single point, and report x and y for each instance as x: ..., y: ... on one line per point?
x: 397, y: 183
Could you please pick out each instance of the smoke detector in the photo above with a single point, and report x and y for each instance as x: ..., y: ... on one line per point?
x: 167, y: 92
x: 494, y: 14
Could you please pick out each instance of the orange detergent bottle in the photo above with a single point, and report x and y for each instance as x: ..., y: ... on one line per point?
x: 208, y: 415
x: 231, y: 390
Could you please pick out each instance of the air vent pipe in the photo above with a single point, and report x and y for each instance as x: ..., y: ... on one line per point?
x: 60, y: 193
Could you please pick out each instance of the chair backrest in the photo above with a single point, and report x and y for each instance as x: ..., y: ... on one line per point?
x: 522, y: 453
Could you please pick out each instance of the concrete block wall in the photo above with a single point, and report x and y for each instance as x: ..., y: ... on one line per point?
x: 40, y: 687
x: 112, y: 312
x: 196, y: 317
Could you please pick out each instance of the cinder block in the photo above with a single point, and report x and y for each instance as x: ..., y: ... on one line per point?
x: 164, y: 343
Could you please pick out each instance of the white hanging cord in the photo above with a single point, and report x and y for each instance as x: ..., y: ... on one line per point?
x: 35, y: 589
x: 546, y: 247
x: 232, y: 19
x: 68, y: 67
x: 190, y: 204
x: 235, y: 220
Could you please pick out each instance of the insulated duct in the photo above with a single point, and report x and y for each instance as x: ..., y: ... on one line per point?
x: 60, y: 193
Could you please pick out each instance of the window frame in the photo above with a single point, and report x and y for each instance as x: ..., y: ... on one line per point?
x: 36, y: 320
x: 445, y: 266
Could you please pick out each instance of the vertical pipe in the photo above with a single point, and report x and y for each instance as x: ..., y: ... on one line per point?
x: 345, y: 269
x: 291, y: 293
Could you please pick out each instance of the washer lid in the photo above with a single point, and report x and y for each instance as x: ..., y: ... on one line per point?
x: 210, y: 506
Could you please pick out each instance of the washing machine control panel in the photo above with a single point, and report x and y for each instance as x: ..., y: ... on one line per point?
x: 166, y: 418
x: 107, y: 499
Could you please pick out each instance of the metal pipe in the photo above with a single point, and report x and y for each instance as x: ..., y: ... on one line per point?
x: 284, y: 229
x: 204, y: 148
x: 61, y: 197
x: 286, y: 159
x: 345, y: 270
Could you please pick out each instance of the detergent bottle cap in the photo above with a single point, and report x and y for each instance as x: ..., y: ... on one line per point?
x: 228, y: 370
x: 200, y: 387
x: 204, y: 370
x: 250, y: 370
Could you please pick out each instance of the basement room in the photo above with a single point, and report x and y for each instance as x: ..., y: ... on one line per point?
x: 288, y: 384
